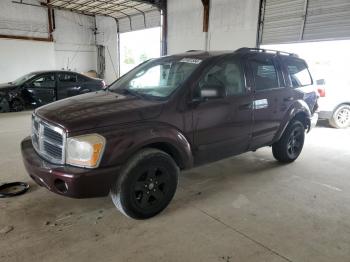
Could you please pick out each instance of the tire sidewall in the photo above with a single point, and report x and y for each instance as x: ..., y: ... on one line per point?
x: 334, y: 121
x: 123, y: 193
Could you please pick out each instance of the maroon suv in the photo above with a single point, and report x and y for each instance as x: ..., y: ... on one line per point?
x: 132, y: 139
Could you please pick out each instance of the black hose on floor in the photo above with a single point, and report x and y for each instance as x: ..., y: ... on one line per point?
x: 13, y: 189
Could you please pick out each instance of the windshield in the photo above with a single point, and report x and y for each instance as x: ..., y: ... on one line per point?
x: 23, y: 79
x: 156, y: 78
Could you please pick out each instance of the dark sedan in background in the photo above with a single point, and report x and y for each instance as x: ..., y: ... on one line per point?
x: 43, y: 87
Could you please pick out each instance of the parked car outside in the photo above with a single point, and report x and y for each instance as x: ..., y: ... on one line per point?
x: 166, y: 115
x: 43, y: 87
x: 334, y: 102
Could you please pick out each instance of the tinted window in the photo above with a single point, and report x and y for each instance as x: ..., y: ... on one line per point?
x: 44, y: 81
x: 298, y: 72
x: 228, y: 74
x: 67, y: 77
x: 264, y: 73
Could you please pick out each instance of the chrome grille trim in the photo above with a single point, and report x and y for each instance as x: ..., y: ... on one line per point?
x: 43, y: 134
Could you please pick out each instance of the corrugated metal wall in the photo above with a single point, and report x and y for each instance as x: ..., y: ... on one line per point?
x: 286, y: 21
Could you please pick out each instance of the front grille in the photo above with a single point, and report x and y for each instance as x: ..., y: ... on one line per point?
x: 48, y: 140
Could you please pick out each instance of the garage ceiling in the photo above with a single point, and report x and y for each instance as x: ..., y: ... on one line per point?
x: 114, y: 8
x: 131, y: 14
x: 286, y: 21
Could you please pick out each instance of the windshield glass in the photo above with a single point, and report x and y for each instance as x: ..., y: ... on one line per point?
x: 156, y: 78
x: 23, y: 79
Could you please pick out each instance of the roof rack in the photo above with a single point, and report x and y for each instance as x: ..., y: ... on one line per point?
x: 260, y: 50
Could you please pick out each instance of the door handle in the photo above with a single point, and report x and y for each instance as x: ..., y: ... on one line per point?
x: 287, y: 99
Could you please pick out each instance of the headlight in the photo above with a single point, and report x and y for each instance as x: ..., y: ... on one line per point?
x: 85, y: 151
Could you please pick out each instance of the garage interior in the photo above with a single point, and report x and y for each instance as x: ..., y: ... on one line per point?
x: 244, y: 208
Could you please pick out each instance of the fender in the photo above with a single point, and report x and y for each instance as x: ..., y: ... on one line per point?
x: 121, y: 144
x: 298, y: 107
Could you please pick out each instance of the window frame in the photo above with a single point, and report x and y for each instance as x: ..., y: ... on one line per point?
x: 275, y: 62
x: 31, y: 82
x: 285, y: 61
x: 67, y: 73
x: 218, y: 61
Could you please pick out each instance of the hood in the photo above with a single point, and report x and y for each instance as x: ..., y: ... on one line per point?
x: 7, y: 86
x: 98, y: 109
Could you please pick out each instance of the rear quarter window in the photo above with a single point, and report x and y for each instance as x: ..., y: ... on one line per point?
x: 298, y: 72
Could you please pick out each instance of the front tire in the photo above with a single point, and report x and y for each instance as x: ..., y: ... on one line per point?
x: 341, y: 117
x: 17, y: 105
x: 289, y: 147
x: 146, y: 184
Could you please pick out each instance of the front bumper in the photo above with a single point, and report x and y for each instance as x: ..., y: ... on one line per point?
x: 67, y: 180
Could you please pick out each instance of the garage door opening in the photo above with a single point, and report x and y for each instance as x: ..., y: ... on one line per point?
x: 328, y: 62
x: 139, y: 46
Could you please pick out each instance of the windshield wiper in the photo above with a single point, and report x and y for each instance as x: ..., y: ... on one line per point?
x: 127, y: 91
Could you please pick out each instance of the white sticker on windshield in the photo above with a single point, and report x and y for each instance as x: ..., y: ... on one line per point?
x: 191, y: 61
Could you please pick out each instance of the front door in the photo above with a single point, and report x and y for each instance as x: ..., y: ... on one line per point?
x: 42, y: 89
x: 222, y: 126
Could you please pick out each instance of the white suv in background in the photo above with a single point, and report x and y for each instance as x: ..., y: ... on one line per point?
x: 334, y: 102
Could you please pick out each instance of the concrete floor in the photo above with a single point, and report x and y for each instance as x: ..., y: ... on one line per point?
x: 246, y: 208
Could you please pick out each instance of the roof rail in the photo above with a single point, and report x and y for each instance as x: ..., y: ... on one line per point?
x: 260, y: 50
x: 188, y: 51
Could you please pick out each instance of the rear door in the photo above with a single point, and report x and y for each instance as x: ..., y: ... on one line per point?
x: 271, y: 98
x: 42, y: 89
x: 67, y: 85
x: 222, y: 126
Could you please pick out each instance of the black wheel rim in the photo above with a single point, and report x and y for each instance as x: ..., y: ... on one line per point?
x: 150, y: 188
x: 17, y: 106
x: 295, y: 142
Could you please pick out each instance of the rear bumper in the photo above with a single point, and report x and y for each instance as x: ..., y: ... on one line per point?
x: 325, y: 114
x: 313, y: 120
x: 66, y: 180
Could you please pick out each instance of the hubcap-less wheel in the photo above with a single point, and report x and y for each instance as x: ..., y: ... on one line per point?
x: 290, y: 145
x: 295, y: 142
x: 150, y: 187
x: 17, y: 106
x: 342, y: 117
x: 146, y: 184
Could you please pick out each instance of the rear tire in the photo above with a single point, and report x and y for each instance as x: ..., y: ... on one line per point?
x: 340, y: 117
x: 289, y: 147
x: 146, y: 184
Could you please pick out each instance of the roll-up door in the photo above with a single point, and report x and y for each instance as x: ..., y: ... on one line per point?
x: 141, y: 21
x: 286, y: 21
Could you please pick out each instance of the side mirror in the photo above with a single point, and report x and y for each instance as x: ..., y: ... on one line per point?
x: 212, y: 91
x: 320, y: 82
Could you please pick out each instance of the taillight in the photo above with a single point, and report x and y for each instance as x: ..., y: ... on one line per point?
x: 321, y: 91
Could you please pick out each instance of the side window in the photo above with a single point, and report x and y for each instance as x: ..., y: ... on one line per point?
x: 298, y: 72
x: 67, y: 77
x: 264, y: 73
x: 44, y: 81
x: 227, y: 74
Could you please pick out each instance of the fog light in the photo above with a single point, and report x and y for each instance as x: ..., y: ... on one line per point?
x: 61, y: 186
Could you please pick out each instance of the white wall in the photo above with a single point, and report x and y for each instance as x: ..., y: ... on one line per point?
x: 74, y: 45
x: 185, y: 26
x: 233, y: 24
x: 107, y: 36
x: 19, y: 57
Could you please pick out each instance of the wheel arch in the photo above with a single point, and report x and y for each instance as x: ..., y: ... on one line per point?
x: 299, y: 111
